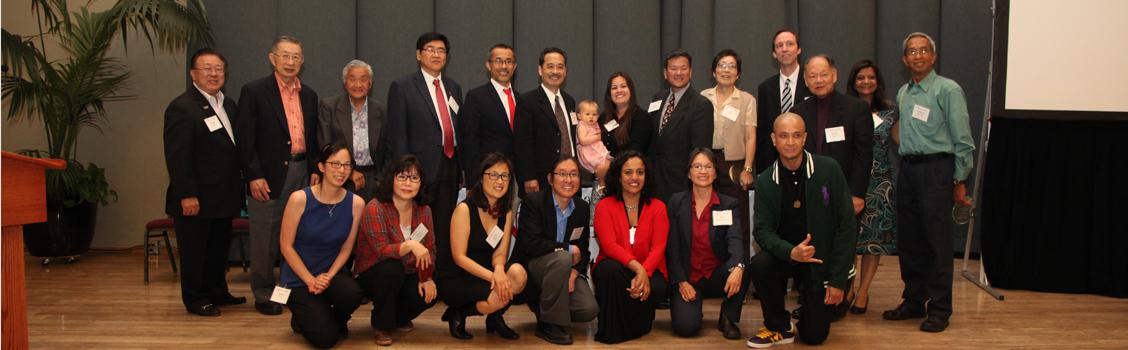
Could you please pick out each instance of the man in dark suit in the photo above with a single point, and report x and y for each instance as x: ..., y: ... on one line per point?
x: 843, y: 127
x: 553, y: 245
x: 205, y: 191
x: 422, y: 111
x: 358, y: 121
x: 486, y: 121
x: 778, y: 93
x: 682, y: 120
x: 275, y: 134
x: 545, y: 128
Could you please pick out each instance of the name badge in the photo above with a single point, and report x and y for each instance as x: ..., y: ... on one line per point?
x: 281, y: 295
x: 419, y: 233
x: 611, y: 125
x: 877, y: 121
x: 576, y: 232
x: 632, y: 235
x: 453, y: 105
x: 213, y: 123
x: 572, y: 117
x: 835, y: 134
x: 722, y: 217
x: 654, y: 106
x: 920, y: 113
x: 494, y: 237
x: 730, y: 113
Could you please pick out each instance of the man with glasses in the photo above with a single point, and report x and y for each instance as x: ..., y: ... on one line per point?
x: 357, y: 121
x: 205, y: 191
x: 545, y: 129
x: 277, y: 128
x: 486, y: 121
x: 935, y: 148
x: 553, y: 246
x: 778, y: 93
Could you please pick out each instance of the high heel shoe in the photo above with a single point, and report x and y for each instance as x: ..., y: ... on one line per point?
x: 456, y: 320
x: 859, y: 310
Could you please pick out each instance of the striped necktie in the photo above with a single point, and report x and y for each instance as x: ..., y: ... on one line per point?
x: 785, y: 104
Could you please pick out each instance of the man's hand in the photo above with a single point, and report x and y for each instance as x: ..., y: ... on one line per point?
x: 859, y: 204
x: 260, y: 190
x: 959, y: 195
x: 575, y: 254
x: 687, y: 292
x: 532, y: 186
x: 572, y: 281
x: 734, y: 281
x: 833, y: 296
x: 358, y: 179
x: 190, y: 206
x: 805, y: 253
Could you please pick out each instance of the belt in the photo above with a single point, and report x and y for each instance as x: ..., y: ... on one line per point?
x: 298, y: 157
x: 913, y: 158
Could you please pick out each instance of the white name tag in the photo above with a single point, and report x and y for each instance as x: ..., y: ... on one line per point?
x: 835, y: 134
x: 453, y: 105
x: 611, y: 125
x: 419, y: 233
x: 576, y: 232
x: 730, y: 113
x: 654, y: 106
x: 572, y: 116
x: 213, y: 123
x: 632, y: 235
x: 494, y: 237
x: 281, y: 295
x: 877, y: 121
x: 722, y: 217
x: 920, y: 113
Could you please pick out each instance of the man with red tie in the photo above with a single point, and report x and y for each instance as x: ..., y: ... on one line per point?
x: 485, y: 124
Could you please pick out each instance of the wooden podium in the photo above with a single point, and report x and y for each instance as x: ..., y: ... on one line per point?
x: 23, y: 200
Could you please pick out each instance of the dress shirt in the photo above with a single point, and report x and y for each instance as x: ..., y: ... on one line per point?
x: 728, y: 134
x: 794, y: 85
x: 562, y: 220
x: 505, y: 99
x: 292, y: 104
x: 216, y: 103
x: 567, y: 115
x: 702, y: 260
x: 362, y: 155
x: 446, y: 96
x: 947, y: 129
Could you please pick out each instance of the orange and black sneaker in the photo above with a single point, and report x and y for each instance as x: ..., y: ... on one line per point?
x: 766, y: 338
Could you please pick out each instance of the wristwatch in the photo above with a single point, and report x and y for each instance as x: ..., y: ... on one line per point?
x: 959, y: 182
x: 740, y: 265
x: 749, y: 169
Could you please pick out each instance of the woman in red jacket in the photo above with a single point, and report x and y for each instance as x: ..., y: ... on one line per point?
x: 630, y: 273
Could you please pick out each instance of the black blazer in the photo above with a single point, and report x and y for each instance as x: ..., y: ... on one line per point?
x: 639, y: 135
x: 690, y: 126
x: 413, y: 126
x: 855, y: 154
x: 484, y: 127
x: 767, y: 109
x: 201, y: 163
x: 335, y: 124
x: 537, y: 136
x: 263, y: 137
x: 727, y: 241
x: 536, y: 233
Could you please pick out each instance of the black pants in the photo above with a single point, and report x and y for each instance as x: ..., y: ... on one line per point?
x: 203, y: 245
x: 726, y: 184
x: 770, y: 274
x: 320, y: 318
x: 686, y: 315
x: 443, y: 193
x: 394, y: 294
x: 622, y: 318
x: 924, y: 233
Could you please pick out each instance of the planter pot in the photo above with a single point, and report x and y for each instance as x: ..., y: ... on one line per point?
x: 67, y: 232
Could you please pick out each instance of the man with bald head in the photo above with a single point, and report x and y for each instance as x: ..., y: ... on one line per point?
x: 804, y: 223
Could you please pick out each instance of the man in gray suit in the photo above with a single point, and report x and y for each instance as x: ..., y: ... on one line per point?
x: 357, y: 121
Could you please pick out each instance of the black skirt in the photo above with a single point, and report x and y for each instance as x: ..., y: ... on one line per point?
x: 622, y: 318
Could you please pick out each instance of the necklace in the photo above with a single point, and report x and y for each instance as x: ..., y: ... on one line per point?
x: 630, y: 207
x: 331, y: 207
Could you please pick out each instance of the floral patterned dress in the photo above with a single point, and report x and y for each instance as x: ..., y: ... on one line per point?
x: 877, y: 232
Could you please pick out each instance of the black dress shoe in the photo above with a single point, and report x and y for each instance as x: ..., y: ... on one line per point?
x: 231, y: 300
x: 840, y: 311
x: 208, y: 310
x: 496, y: 323
x: 728, y: 328
x: 456, y: 320
x: 269, y: 308
x: 903, y: 312
x: 553, y: 334
x: 934, y: 324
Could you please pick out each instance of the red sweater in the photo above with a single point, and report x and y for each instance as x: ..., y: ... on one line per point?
x: 612, y: 231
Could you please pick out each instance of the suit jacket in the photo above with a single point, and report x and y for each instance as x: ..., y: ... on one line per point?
x: 335, y: 124
x: 727, y: 241
x: 484, y: 127
x: 201, y: 163
x: 767, y: 109
x: 413, y: 125
x: 263, y: 137
x: 612, y: 231
x: 536, y: 234
x: 855, y: 153
x: 537, y: 135
x: 690, y: 126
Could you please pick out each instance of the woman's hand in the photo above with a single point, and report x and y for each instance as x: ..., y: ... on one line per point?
x: 427, y: 291
x: 422, y: 255
x: 501, y: 284
x: 640, y: 285
x: 687, y: 292
x: 734, y: 281
x: 746, y: 179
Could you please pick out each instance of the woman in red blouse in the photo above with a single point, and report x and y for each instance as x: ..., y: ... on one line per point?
x: 630, y: 273
x: 395, y: 251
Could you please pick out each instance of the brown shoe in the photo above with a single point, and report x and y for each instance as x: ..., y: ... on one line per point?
x: 406, y: 327
x: 381, y: 338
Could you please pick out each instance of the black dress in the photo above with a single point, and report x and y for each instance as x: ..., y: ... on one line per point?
x: 457, y: 287
x: 638, y: 136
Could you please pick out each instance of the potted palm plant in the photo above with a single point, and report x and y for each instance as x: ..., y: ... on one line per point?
x: 66, y: 91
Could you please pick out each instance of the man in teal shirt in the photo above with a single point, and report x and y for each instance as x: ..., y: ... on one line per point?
x: 935, y: 148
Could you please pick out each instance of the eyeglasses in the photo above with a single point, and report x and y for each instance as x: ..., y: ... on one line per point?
x: 726, y: 66
x: 702, y: 167
x: 567, y: 175
x: 501, y: 62
x: 211, y: 70
x: 288, y: 57
x: 436, y: 51
x: 916, y: 52
x: 338, y: 165
x: 409, y: 178
x: 497, y: 176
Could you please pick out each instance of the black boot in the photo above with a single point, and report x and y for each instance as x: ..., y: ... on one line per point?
x: 456, y: 320
x: 496, y: 323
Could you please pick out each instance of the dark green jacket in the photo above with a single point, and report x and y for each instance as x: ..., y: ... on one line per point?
x: 830, y: 219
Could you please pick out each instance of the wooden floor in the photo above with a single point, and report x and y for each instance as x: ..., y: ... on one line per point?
x: 101, y: 302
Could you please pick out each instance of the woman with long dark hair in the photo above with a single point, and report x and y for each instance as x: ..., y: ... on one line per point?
x: 625, y: 125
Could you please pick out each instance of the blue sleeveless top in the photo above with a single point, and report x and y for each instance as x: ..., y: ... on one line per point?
x: 322, y: 231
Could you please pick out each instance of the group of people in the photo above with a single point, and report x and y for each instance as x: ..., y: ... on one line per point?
x: 361, y: 200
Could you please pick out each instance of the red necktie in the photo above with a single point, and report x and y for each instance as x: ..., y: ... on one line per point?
x: 444, y: 117
x: 512, y: 106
